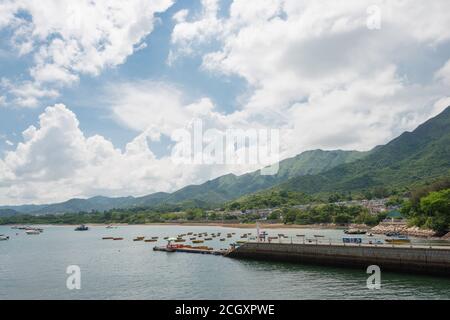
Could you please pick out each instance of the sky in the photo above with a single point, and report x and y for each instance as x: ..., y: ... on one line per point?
x: 94, y: 94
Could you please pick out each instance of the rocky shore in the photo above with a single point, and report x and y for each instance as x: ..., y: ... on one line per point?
x: 402, y: 228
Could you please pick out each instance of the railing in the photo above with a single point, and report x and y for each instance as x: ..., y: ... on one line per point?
x: 375, y: 242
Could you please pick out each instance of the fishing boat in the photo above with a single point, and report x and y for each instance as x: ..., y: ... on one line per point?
x: 82, y: 228
x: 32, y: 232
x: 392, y: 234
x: 355, y: 231
x: 399, y: 240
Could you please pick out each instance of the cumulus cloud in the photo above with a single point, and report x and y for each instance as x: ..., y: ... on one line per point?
x: 56, y: 161
x: 71, y: 38
x: 309, y: 62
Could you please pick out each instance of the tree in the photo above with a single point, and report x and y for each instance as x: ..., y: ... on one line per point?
x: 436, y: 206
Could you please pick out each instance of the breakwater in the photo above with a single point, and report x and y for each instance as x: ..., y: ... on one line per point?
x: 415, y: 259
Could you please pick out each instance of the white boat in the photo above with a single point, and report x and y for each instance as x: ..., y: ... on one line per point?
x: 3, y: 238
x: 32, y: 232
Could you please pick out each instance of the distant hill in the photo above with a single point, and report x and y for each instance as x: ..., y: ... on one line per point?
x: 8, y: 212
x: 230, y: 186
x: 214, y: 192
x: 409, y: 159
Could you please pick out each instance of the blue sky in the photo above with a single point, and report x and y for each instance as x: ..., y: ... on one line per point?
x: 91, y: 92
x: 85, y: 98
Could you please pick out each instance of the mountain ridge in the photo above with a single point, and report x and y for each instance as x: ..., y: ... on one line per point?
x: 212, y: 192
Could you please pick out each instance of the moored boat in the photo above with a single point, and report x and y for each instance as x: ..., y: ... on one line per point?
x: 82, y: 228
x: 355, y: 231
x: 399, y: 240
x: 32, y: 232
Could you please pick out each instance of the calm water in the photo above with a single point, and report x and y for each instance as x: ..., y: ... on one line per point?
x: 34, y: 267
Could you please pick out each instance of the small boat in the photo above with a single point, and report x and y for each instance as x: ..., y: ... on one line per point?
x: 107, y: 238
x: 198, y: 241
x: 4, y: 238
x: 82, y: 228
x: 151, y: 240
x: 300, y: 235
x: 32, y: 232
x: 117, y: 239
x: 355, y: 231
x: 180, y: 240
x: 392, y: 234
x: 208, y: 239
x: 399, y: 240
x: 139, y: 239
x: 165, y: 238
x: 241, y: 241
x: 223, y: 239
x: 189, y: 233
x: 192, y: 239
x: 318, y: 236
x: 155, y: 238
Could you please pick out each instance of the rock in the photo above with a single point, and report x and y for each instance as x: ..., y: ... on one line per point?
x: 402, y: 228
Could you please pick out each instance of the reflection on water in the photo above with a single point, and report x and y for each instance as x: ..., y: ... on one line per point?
x: 34, y: 267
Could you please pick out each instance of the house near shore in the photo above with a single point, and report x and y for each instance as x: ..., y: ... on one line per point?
x: 394, y: 216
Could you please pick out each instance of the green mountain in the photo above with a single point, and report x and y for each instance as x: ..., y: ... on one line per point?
x: 214, y: 192
x: 407, y: 160
x: 8, y: 212
x: 230, y: 186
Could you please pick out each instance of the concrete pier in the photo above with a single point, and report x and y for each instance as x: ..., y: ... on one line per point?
x: 426, y: 260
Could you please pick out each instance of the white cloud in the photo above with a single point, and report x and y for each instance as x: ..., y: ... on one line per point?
x: 56, y: 161
x: 160, y: 108
x: 316, y: 70
x: 70, y: 38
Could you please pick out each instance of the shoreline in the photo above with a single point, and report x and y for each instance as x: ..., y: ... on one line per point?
x: 380, y: 229
x: 196, y: 224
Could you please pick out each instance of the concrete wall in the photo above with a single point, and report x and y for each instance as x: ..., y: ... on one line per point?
x: 418, y: 259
